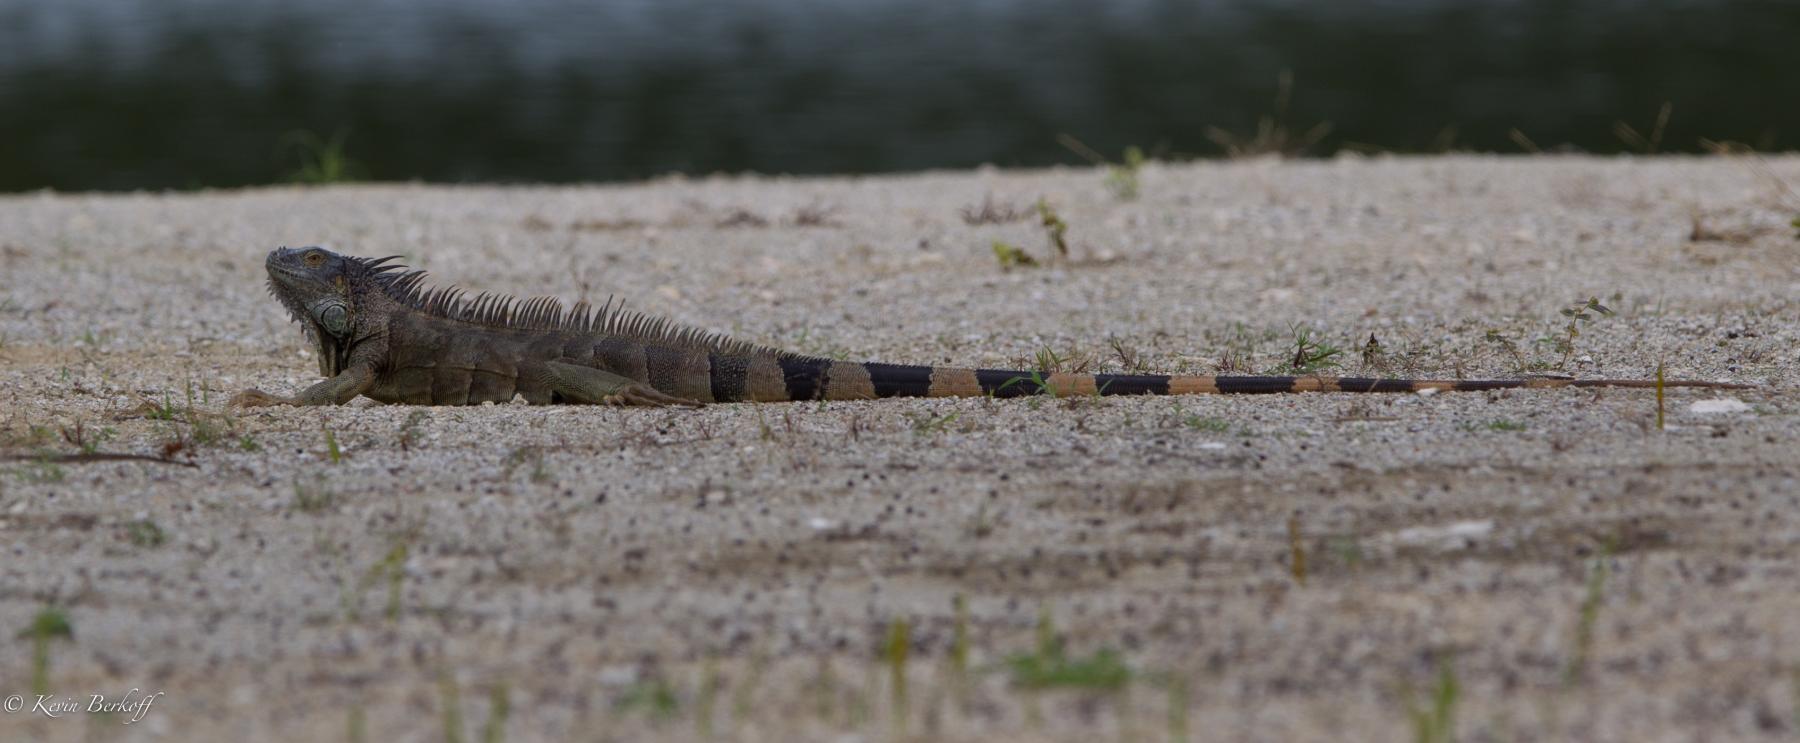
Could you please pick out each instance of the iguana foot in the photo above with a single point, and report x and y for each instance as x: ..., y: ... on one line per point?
x: 647, y: 397
x: 257, y: 399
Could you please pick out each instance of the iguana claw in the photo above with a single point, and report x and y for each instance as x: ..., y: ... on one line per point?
x: 254, y: 398
x: 648, y: 397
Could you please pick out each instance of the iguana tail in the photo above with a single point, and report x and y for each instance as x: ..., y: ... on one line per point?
x: 824, y: 379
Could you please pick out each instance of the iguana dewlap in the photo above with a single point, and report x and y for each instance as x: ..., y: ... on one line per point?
x: 382, y: 335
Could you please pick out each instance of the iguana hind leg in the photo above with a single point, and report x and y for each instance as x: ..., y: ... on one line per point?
x: 585, y: 384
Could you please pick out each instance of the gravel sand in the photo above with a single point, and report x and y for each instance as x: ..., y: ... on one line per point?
x: 1294, y: 567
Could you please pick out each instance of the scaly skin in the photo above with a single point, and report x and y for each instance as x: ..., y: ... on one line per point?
x: 382, y: 336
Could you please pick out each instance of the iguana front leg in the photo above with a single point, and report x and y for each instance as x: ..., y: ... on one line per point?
x: 585, y: 384
x: 334, y: 391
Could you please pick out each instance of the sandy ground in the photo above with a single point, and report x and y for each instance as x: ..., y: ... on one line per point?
x: 1297, y: 567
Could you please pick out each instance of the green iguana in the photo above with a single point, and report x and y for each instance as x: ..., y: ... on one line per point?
x: 381, y: 334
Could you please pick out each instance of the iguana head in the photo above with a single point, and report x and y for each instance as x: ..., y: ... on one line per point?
x: 331, y: 294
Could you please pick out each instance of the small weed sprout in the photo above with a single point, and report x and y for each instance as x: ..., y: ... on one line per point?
x: 899, y: 641
x: 1588, y: 615
x: 1646, y: 145
x: 926, y: 425
x: 163, y: 412
x: 655, y: 697
x: 1121, y: 177
x: 314, y: 498
x: 1129, y: 357
x: 1311, y: 355
x: 409, y: 430
x: 1296, y: 551
x: 393, y: 565
x: 1055, y: 229
x: 86, y: 442
x: 49, y: 624
x: 824, y: 687
x: 1049, y: 667
x: 1209, y: 425
x: 989, y: 212
x: 145, y: 533
x: 528, y: 455
x: 762, y: 425
x: 332, y: 453
x: 1373, y: 356
x: 982, y: 525
x: 708, y: 697
x: 1437, y: 723
x: 1499, y: 339
x: 1524, y: 142
x: 959, y: 639
x: 357, y: 725
x: 1178, y: 708
x: 1272, y: 136
x: 1011, y: 256
x: 744, y: 697
x: 1577, y: 313
x: 814, y: 215
x: 1347, y: 550
x: 449, y: 698
x: 322, y: 161
x: 499, y: 708
x: 40, y: 470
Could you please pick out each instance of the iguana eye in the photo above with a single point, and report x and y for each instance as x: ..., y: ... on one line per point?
x: 315, y: 260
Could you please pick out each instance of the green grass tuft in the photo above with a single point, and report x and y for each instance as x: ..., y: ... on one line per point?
x: 314, y: 498
x: 1055, y: 229
x: 49, y: 624
x: 357, y: 726
x: 1122, y: 176
x: 1436, y: 723
x: 1577, y: 314
x: 1587, y: 616
x: 449, y: 698
x: 1310, y: 354
x: 499, y: 709
x: 145, y: 533
x: 1012, y: 256
x: 899, y: 642
x: 1272, y: 137
x: 1048, y: 667
x: 322, y: 161
x: 654, y: 697
x: 1296, y: 551
x: 927, y: 425
x: 1210, y: 425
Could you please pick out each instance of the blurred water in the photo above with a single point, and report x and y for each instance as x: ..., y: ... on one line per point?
x: 119, y: 94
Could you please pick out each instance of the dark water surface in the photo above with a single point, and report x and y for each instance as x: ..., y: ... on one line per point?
x: 122, y: 94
